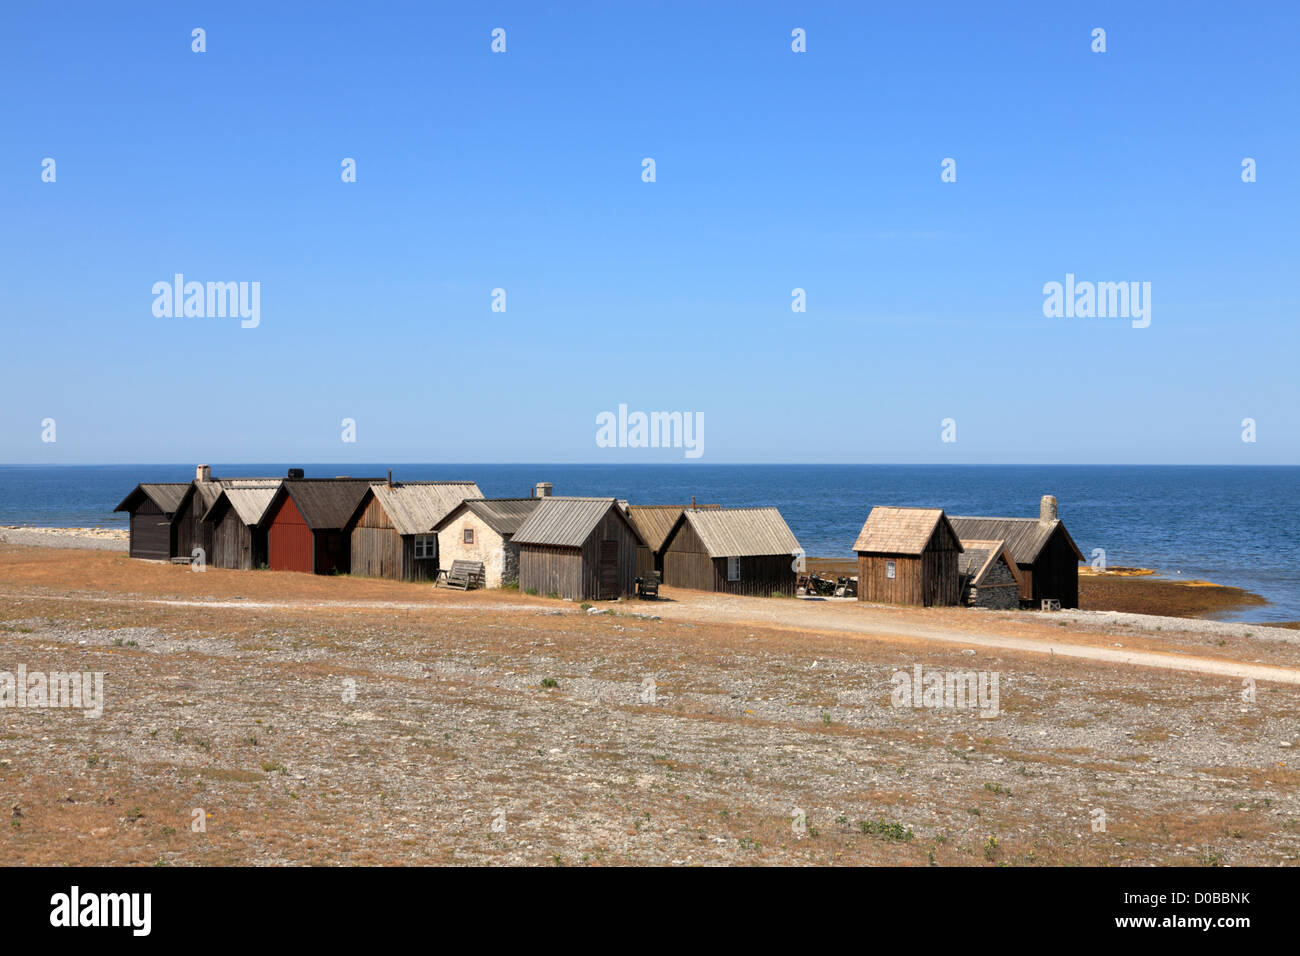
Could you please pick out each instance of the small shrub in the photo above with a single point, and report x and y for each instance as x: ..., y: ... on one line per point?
x: 890, y: 831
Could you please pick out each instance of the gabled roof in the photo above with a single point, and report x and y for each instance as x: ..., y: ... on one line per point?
x: 653, y: 522
x: 325, y: 504
x: 503, y: 515
x: 414, y: 507
x: 900, y: 530
x: 741, y: 532
x: 566, y: 522
x: 1025, y: 537
x: 979, y: 557
x: 167, y: 495
x: 209, y: 491
x: 250, y: 499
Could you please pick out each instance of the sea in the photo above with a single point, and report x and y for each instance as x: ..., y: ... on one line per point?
x: 1228, y: 524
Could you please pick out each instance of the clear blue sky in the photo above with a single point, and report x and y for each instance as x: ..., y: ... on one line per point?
x: 775, y: 170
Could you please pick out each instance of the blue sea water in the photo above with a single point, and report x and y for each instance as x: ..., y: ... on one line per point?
x: 1232, y: 525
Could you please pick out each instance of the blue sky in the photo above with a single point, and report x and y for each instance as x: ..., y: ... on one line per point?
x: 775, y: 170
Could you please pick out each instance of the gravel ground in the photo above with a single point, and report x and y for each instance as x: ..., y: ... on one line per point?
x: 93, y: 539
x: 490, y: 728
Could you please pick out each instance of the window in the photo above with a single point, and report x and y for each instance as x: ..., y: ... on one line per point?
x: 889, y: 569
x: 426, y: 546
x: 733, y: 569
x: 469, y: 535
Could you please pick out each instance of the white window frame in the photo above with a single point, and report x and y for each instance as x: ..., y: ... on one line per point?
x: 890, y: 570
x: 733, y: 569
x: 426, y: 547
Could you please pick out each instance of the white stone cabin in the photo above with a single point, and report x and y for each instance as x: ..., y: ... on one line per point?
x: 482, y: 529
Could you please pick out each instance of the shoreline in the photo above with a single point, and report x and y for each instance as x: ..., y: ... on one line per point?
x: 1121, y: 589
x: 1130, y: 591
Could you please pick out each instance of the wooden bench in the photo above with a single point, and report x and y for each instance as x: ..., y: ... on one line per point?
x: 464, y: 575
x: 648, y: 587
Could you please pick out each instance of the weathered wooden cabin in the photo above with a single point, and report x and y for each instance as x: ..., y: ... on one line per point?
x: 736, y: 550
x: 392, y: 528
x: 483, y: 529
x: 908, y: 556
x: 236, y: 533
x: 578, y: 548
x: 305, y: 521
x: 188, y: 528
x: 653, y: 522
x: 989, y: 576
x: 152, y: 507
x: 1045, y: 554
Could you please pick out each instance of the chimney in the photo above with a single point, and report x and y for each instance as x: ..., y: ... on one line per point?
x: 1047, y: 509
x: 296, y: 473
x: 203, y: 473
x: 692, y: 502
x: 544, y: 489
x: 390, y: 477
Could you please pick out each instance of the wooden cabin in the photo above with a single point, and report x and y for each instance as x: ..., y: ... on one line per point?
x: 908, y: 556
x: 1045, y: 554
x: 583, y: 549
x: 989, y: 576
x: 152, y: 506
x: 653, y: 522
x: 234, y: 522
x: 483, y: 529
x: 734, y: 550
x: 391, y: 531
x: 188, y: 528
x: 304, y: 524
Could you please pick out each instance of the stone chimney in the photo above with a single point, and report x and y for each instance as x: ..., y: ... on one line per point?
x: 544, y: 489
x: 203, y: 473
x: 1047, y: 509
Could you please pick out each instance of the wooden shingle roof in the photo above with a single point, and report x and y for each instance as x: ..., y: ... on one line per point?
x: 415, y: 507
x: 742, y: 532
x: 653, y: 522
x: 899, y: 530
x: 1025, y: 537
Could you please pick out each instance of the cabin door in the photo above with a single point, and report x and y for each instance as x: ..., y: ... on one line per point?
x: 608, y: 570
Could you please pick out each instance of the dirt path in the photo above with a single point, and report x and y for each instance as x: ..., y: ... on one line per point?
x: 807, y: 616
x: 852, y: 618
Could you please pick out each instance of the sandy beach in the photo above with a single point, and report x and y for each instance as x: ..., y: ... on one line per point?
x: 340, y: 720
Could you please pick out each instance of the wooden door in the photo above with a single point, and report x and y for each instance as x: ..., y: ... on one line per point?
x: 608, y: 570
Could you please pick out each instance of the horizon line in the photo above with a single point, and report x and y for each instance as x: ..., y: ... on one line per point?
x: 668, y: 464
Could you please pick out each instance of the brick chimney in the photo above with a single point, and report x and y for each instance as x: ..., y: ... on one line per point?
x: 544, y: 489
x: 203, y: 473
x: 1047, y: 509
